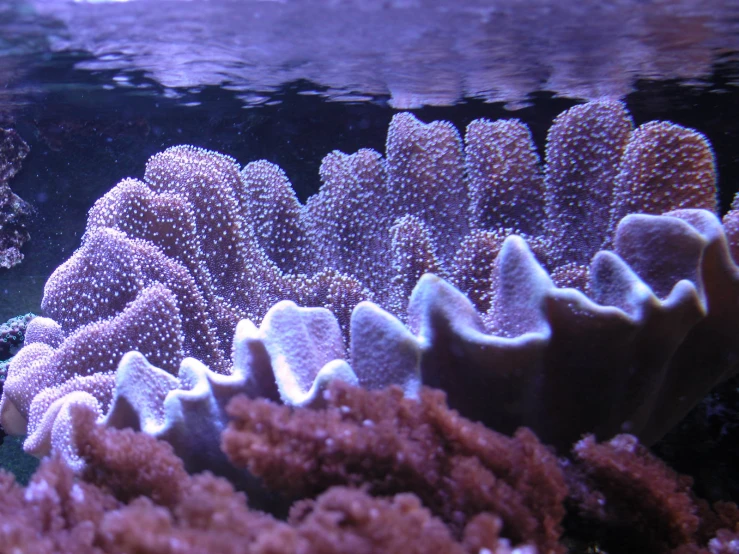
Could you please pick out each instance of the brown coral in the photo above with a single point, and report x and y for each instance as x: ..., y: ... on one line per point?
x: 630, y: 500
x: 619, y: 496
x: 138, y: 499
x: 390, y: 444
x: 643, y: 494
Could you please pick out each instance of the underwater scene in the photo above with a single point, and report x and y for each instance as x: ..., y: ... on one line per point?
x: 369, y: 276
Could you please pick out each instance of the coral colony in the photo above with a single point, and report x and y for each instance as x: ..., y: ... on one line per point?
x: 593, y: 293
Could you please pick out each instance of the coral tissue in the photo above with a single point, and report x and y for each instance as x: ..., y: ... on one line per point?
x: 591, y: 292
x: 370, y: 472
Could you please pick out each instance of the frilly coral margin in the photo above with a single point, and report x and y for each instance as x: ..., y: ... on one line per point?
x: 632, y: 387
x: 272, y: 362
x: 568, y: 315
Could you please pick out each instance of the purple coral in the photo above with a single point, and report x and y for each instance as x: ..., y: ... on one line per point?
x: 517, y: 312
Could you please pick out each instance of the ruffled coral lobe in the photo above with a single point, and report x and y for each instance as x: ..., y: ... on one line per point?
x: 559, y: 309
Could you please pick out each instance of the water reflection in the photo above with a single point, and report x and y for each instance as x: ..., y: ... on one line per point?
x: 415, y: 52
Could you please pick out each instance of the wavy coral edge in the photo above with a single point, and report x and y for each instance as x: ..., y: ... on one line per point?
x: 446, y: 346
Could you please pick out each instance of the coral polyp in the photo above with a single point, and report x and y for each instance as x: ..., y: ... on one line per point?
x: 570, y: 296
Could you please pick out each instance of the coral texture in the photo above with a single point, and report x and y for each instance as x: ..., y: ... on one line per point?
x: 635, y: 482
x: 135, y: 496
x: 731, y: 225
x: 15, y: 213
x: 592, y: 293
x: 388, y: 444
x: 627, y: 499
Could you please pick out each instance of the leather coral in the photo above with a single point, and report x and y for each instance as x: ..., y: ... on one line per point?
x: 594, y: 292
